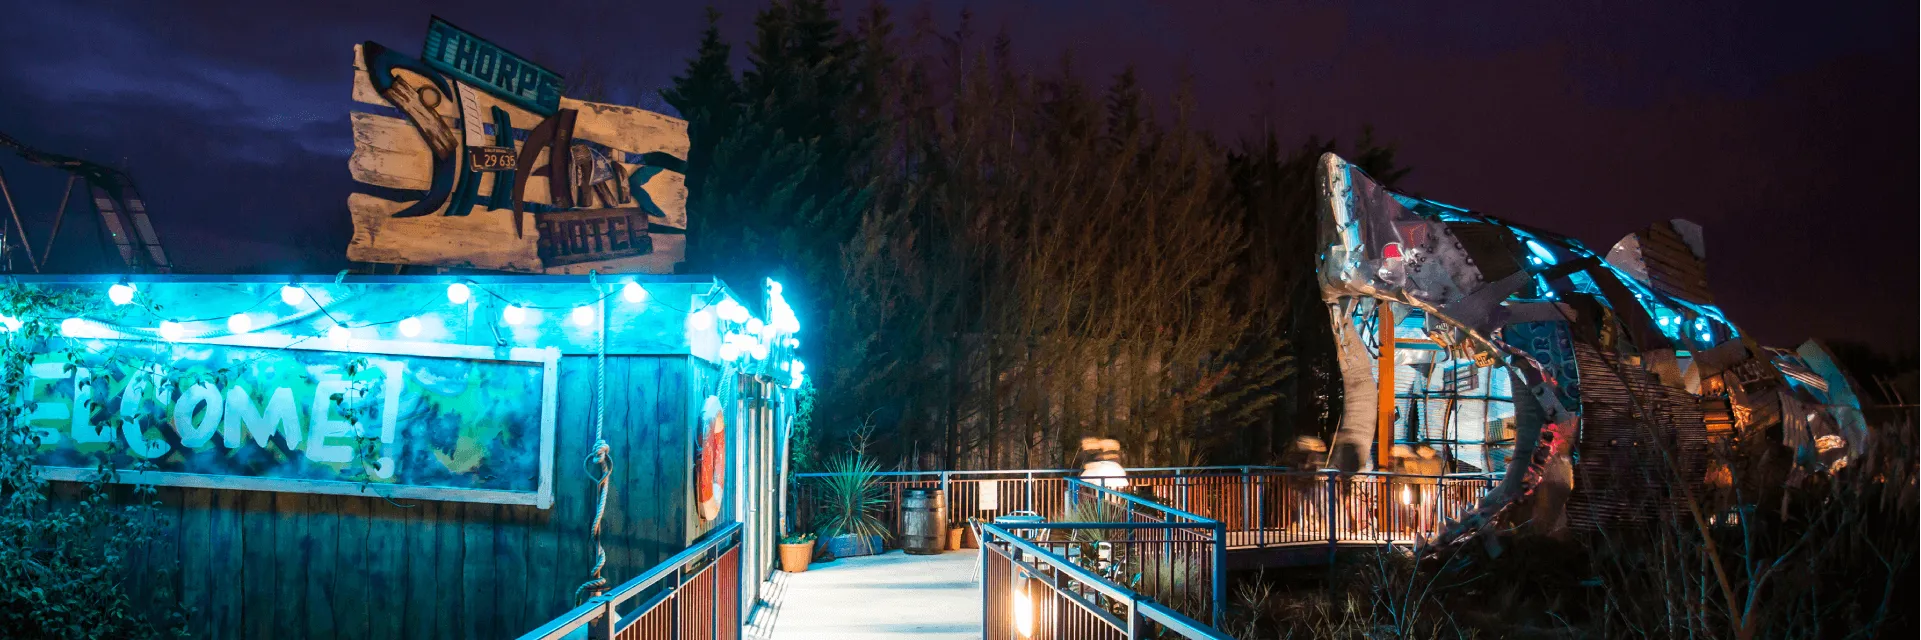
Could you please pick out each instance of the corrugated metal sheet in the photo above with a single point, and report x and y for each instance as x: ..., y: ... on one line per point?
x: 1619, y: 476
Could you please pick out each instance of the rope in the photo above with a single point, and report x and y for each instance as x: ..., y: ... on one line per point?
x: 599, y: 461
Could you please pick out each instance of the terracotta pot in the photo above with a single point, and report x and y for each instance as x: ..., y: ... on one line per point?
x: 795, y: 557
x: 954, y: 536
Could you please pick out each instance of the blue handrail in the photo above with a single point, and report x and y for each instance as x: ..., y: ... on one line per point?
x: 1168, y: 618
x: 603, y: 606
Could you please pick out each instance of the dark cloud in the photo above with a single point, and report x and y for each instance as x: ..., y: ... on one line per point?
x: 1787, y: 129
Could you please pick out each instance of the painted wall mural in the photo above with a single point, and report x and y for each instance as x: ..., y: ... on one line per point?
x: 468, y: 156
x: 454, y: 426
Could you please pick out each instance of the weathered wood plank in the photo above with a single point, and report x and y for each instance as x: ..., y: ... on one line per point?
x: 573, y: 490
x: 258, y: 575
x: 422, y: 590
x: 321, y: 540
x: 196, y: 558
x: 290, y: 578
x: 484, y: 239
x: 227, y: 564
x: 478, y: 616
x: 510, y: 574
x: 386, y: 568
x: 449, y: 550
x: 352, y: 597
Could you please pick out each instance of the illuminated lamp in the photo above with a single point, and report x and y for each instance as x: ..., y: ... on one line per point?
x: 458, y: 293
x: 340, y: 335
x: 514, y: 314
x: 793, y: 343
x: 760, y: 351
x: 410, y: 327
x: 582, y: 315
x: 1023, y: 607
x: 239, y: 323
x: 1407, y: 495
x: 121, y: 293
x: 729, y: 351
x: 797, y: 366
x: 292, y: 295
x: 754, y: 326
x: 9, y: 323
x: 170, y: 330
x: 700, y: 321
x: 796, y: 383
x: 633, y: 292
x: 1541, y: 254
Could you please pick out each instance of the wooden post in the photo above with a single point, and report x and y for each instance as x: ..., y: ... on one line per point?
x: 1384, y: 428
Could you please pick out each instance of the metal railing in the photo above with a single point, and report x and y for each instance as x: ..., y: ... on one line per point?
x: 700, y: 598
x: 1031, y: 593
x: 1259, y: 506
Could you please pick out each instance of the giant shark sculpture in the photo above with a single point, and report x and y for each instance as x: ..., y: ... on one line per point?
x: 1622, y: 370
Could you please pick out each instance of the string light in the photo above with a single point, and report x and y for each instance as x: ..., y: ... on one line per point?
x: 514, y: 315
x: 239, y: 323
x: 729, y: 351
x: 121, y: 293
x: 171, y: 331
x: 73, y: 327
x: 340, y: 335
x: 458, y: 293
x: 583, y: 315
x: 293, y: 295
x: 754, y: 326
x: 9, y: 323
x: 410, y: 327
x: 702, y: 320
x: 633, y: 292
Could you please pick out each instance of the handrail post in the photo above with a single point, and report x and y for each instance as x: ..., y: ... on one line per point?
x: 1133, y: 617
x: 1333, y: 535
x: 1220, y: 572
x: 1247, y: 496
x: 675, y: 582
x: 1030, y: 492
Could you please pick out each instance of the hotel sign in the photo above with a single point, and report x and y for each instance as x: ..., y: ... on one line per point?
x: 401, y: 420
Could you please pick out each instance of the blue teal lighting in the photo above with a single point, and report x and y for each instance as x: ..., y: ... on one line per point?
x: 1541, y: 254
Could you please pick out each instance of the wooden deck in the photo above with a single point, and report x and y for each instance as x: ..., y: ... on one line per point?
x: 892, y: 595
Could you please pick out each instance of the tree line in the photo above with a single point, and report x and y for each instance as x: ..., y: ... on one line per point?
x: 993, y: 262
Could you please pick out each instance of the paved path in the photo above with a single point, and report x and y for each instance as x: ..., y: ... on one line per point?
x: 892, y: 595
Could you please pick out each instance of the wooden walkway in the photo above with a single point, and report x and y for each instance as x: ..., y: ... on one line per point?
x: 892, y: 595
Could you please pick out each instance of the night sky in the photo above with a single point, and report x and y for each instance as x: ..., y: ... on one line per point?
x: 1788, y: 130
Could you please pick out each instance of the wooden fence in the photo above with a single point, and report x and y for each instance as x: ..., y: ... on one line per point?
x: 698, y: 598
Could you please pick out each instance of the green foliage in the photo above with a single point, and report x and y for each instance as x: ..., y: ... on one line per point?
x: 798, y: 538
x: 64, y: 564
x: 853, y: 498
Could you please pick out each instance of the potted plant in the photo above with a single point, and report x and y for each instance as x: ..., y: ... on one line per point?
x: 796, y: 551
x: 851, y: 524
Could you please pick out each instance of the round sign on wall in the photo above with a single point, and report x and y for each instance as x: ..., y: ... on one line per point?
x: 710, y: 456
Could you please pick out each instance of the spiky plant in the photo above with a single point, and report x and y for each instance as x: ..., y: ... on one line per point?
x: 854, y: 498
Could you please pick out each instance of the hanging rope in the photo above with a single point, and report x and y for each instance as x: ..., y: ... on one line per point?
x: 599, y: 461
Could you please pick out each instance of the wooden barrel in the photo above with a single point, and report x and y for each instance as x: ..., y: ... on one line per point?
x: 923, y: 521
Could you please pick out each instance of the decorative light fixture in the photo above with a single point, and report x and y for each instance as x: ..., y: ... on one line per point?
x: 410, y: 327
x: 340, y: 335
x: 514, y: 314
x: 754, y: 326
x: 583, y: 315
x: 1023, y: 607
x: 73, y: 327
x: 120, y: 293
x: 1407, y: 495
x: 702, y: 320
x: 292, y: 295
x: 170, y: 330
x: 729, y: 351
x: 239, y: 323
x: 458, y: 293
x: 1541, y: 253
x: 633, y: 292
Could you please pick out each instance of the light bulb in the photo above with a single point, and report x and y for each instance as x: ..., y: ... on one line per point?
x: 700, y: 320
x: 754, y: 326
x: 293, y: 295
x: 410, y: 327
x: 793, y: 343
x: 633, y: 292
x: 170, y: 330
x: 583, y: 315
x: 759, y: 349
x: 729, y: 351
x: 773, y: 287
x: 339, y: 334
x: 73, y: 327
x: 799, y: 367
x: 121, y: 293
x: 458, y: 293
x: 514, y: 314
x: 239, y: 323
x: 9, y: 323
x: 796, y: 383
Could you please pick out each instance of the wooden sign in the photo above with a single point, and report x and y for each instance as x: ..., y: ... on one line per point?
x: 491, y: 158
x: 482, y: 205
x: 569, y: 237
x: 271, y: 413
x: 484, y: 64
